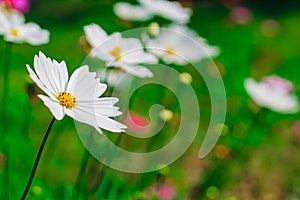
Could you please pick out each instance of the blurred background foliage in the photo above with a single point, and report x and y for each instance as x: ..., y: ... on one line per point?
x: 256, y: 157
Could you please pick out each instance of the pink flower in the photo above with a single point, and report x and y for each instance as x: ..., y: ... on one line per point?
x: 166, y: 192
x: 136, y: 122
x: 274, y: 93
x: 277, y: 83
x: 240, y: 15
x: 20, y: 5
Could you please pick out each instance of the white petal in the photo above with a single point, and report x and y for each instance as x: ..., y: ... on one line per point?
x: 4, y: 24
x: 84, y: 84
x: 139, y: 71
x: 16, y: 18
x: 171, y: 10
x: 95, y: 35
x: 133, y: 52
x: 130, y: 12
x: 51, y: 73
x: 62, y: 74
x: 56, y: 109
x: 104, y: 101
x: 34, y: 35
x: 103, y: 50
x: 103, y: 106
x: 34, y: 77
x: 95, y: 120
x: 255, y: 91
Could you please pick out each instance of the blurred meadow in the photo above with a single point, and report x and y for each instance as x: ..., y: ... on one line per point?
x: 256, y: 157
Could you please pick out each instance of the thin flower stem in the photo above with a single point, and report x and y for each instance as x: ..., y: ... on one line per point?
x: 83, y: 165
x: 36, y: 162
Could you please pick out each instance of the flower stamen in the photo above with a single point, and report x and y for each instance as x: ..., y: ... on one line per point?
x: 66, y: 99
x: 116, y: 52
x: 14, y: 32
x: 170, y: 51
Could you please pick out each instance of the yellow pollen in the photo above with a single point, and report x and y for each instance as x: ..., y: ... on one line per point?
x: 66, y: 99
x: 116, y: 52
x: 14, y: 32
x: 170, y: 51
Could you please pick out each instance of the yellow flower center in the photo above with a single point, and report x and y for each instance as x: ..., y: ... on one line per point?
x: 170, y: 51
x: 66, y: 99
x: 14, y: 32
x: 116, y: 52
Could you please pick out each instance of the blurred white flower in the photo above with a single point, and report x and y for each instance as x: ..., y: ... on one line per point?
x: 124, y: 53
x: 76, y: 97
x: 14, y: 29
x: 274, y: 93
x: 171, y: 10
x: 130, y: 12
x: 180, y: 45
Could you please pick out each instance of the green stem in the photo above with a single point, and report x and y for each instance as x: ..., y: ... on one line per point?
x: 7, y: 54
x: 6, y: 71
x: 36, y: 162
x: 83, y: 166
x: 82, y: 169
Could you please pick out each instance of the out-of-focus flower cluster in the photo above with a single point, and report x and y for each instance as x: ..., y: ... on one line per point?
x: 174, y: 43
x: 13, y: 26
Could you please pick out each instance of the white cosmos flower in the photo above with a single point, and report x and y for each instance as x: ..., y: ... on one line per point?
x: 125, y: 53
x: 14, y: 29
x: 132, y: 12
x: 274, y: 93
x: 180, y: 45
x: 76, y: 97
x: 171, y: 10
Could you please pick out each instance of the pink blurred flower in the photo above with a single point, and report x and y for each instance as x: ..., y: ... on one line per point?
x: 277, y: 83
x: 136, y: 122
x: 274, y: 93
x: 166, y: 192
x: 162, y: 191
x: 20, y: 5
x: 240, y: 15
